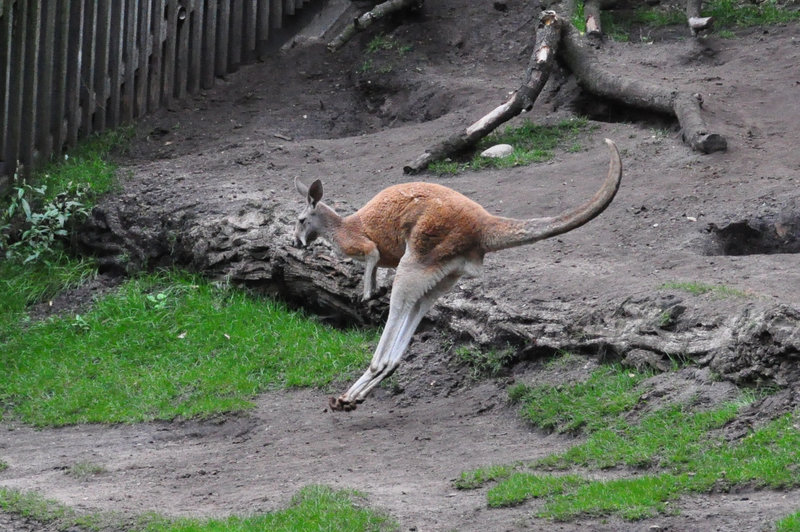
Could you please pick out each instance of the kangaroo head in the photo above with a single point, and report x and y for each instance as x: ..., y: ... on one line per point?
x: 309, y: 223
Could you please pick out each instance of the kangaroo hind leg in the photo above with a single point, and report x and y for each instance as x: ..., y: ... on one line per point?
x: 415, y: 290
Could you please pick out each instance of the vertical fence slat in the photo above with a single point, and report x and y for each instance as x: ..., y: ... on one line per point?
x: 6, y: 33
x: 250, y: 23
x: 47, y: 93
x: 157, y: 56
x: 183, y: 27
x: 196, y: 46
x: 170, y: 50
x: 209, y: 44
x: 20, y: 16
x: 103, y: 17
x: 115, y: 75
x: 142, y: 65
x: 223, y: 26
x: 76, y: 36
x: 62, y: 44
x: 276, y: 13
x: 288, y: 7
x: 129, y: 60
x: 31, y: 90
x: 262, y: 29
x: 235, y: 42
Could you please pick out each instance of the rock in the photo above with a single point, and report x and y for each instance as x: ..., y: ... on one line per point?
x: 497, y: 151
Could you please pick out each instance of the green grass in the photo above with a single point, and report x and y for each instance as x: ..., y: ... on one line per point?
x: 660, y: 455
x: 609, y: 392
x: 87, y: 165
x: 727, y: 14
x: 790, y: 523
x: 482, y: 363
x: 697, y: 288
x: 166, y: 346
x: 531, y: 142
x: 313, y: 508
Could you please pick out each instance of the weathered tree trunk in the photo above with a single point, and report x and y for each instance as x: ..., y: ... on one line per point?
x: 753, y: 342
x: 541, y: 61
x: 366, y: 20
x: 581, y: 59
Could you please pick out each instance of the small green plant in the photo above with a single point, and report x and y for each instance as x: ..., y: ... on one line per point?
x: 85, y: 470
x: 41, y: 213
x: 489, y: 363
x: 45, y: 223
x: 697, y: 288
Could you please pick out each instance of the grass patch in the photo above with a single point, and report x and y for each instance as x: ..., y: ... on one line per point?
x: 34, y: 507
x: 532, y: 143
x: 87, y: 165
x: 668, y: 452
x: 85, y: 470
x: 166, y: 346
x: 609, y: 392
x: 313, y: 508
x: 790, y: 523
x: 478, y: 477
x: 489, y: 363
x: 727, y: 14
x: 697, y: 289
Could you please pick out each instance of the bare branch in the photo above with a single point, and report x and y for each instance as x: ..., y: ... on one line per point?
x: 366, y: 20
x: 540, y: 64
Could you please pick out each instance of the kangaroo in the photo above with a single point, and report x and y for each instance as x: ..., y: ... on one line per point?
x: 433, y: 236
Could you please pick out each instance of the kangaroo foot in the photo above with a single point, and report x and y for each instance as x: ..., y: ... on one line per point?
x: 337, y: 404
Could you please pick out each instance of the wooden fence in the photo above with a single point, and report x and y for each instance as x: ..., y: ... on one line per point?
x: 69, y: 68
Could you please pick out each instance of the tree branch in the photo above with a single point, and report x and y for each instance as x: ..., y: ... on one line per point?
x: 540, y: 64
x: 365, y: 20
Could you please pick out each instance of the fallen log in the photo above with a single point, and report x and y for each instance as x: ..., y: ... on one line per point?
x: 366, y: 20
x: 548, y: 33
x: 581, y: 59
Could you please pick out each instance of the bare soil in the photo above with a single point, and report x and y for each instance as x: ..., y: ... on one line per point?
x: 353, y: 120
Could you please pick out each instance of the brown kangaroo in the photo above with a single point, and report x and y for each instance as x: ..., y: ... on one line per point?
x: 433, y: 235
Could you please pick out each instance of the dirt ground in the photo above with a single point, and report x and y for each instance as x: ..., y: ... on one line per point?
x: 354, y: 119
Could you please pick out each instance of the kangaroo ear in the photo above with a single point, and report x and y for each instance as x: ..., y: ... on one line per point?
x: 315, y: 193
x: 301, y: 188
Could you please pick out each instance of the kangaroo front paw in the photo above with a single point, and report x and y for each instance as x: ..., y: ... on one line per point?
x: 380, y: 292
x: 337, y: 404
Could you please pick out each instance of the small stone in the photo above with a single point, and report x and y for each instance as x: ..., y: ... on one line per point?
x: 498, y: 150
